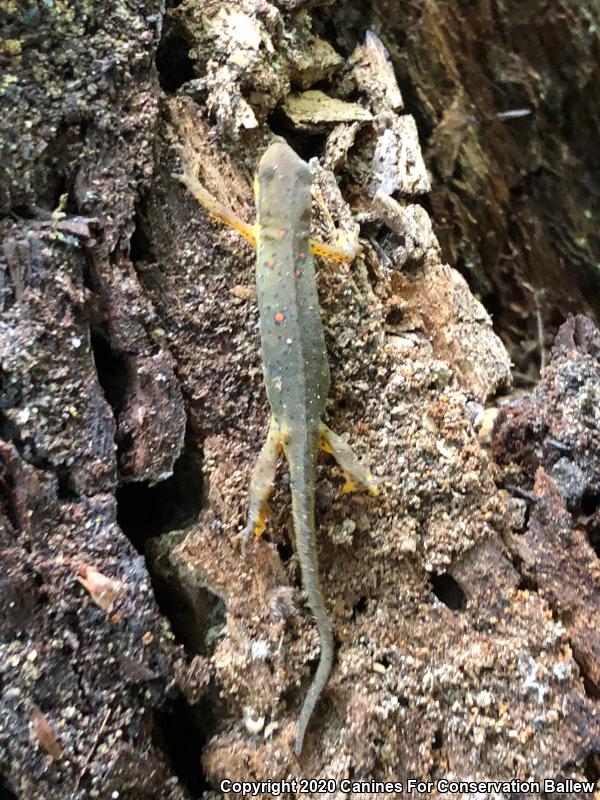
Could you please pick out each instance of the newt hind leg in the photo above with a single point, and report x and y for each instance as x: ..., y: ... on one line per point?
x: 357, y: 475
x: 261, y: 483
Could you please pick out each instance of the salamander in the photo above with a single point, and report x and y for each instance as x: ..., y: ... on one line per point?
x: 295, y: 368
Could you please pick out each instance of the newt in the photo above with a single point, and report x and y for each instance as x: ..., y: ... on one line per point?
x: 295, y: 368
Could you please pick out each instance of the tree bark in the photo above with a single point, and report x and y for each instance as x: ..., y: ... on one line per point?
x: 141, y: 655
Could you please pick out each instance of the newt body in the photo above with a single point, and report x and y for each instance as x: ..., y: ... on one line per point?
x: 296, y: 371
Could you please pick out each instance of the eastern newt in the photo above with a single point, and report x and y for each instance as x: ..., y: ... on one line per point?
x: 295, y: 368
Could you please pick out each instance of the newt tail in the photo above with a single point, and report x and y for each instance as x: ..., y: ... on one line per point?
x: 301, y: 458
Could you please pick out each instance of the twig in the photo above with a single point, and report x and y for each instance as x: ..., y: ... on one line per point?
x: 92, y: 749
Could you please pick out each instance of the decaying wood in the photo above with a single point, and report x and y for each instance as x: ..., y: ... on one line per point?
x: 549, y: 443
x: 511, y: 145
x: 132, y: 410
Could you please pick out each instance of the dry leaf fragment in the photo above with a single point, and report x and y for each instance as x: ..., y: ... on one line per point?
x: 41, y: 733
x: 103, y: 590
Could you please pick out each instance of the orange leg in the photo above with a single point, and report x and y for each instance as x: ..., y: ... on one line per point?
x: 344, y: 253
x: 263, y: 476
x: 357, y: 475
x: 189, y: 178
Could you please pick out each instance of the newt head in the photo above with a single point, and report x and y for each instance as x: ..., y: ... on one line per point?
x: 280, y: 158
x: 283, y: 194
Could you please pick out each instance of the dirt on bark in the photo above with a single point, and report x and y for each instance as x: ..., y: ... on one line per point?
x: 141, y: 656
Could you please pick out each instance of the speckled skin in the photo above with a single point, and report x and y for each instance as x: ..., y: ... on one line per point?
x: 293, y: 345
x: 295, y: 368
x: 294, y: 363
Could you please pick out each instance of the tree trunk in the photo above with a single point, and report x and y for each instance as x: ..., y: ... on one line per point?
x: 141, y: 654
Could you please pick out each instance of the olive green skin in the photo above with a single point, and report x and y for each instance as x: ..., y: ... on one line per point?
x: 293, y: 345
x: 295, y: 365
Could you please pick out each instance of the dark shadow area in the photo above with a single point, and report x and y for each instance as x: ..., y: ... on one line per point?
x: 527, y: 584
x: 438, y: 740
x: 112, y: 372
x: 593, y: 534
x: 147, y: 510
x: 140, y: 246
x: 590, y: 508
x: 360, y: 606
x: 181, y: 733
x: 174, y: 65
x: 7, y: 481
x: 5, y: 792
x: 65, y: 490
x: 344, y: 25
x: 394, y: 317
x: 448, y: 590
x: 592, y: 767
x: 305, y: 144
x: 285, y: 550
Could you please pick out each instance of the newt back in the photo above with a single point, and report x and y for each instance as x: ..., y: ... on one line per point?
x: 293, y: 346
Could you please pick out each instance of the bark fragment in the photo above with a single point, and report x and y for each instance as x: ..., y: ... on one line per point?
x: 549, y: 444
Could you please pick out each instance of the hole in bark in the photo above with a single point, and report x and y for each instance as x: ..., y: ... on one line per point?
x: 592, y: 530
x: 438, y: 740
x: 592, y: 767
x: 446, y: 589
x: 145, y: 510
x: 360, y: 606
x: 181, y: 733
x: 64, y: 490
x: 140, y: 246
x: 306, y: 145
x: 7, y: 486
x: 285, y: 550
x: 590, y: 503
x: 112, y: 372
x: 394, y: 316
x: 5, y: 792
x: 527, y: 583
x: 61, y: 188
x: 174, y: 65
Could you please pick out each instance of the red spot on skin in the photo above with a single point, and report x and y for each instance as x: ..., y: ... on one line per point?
x: 301, y: 256
x: 270, y: 263
x: 282, y: 233
x: 279, y: 316
x: 298, y: 273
